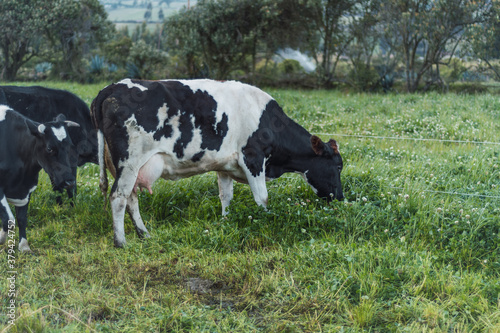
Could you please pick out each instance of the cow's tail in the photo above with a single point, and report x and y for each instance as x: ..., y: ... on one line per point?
x: 97, y: 117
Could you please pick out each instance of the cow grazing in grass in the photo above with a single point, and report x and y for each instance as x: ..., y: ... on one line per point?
x: 179, y: 128
x: 25, y: 148
x: 42, y: 105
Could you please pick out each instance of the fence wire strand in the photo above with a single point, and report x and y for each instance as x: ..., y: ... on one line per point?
x: 409, y: 139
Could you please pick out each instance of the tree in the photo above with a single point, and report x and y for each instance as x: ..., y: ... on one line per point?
x: 327, y: 33
x: 148, y: 13
x: 75, y: 27
x: 430, y: 29
x: 483, y: 39
x: 362, y: 26
x: 145, y: 60
x: 22, y: 23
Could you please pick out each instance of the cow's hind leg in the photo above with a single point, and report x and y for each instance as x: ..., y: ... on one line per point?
x: 6, y: 217
x: 22, y: 220
x: 120, y: 192
x: 133, y: 210
x: 225, y: 190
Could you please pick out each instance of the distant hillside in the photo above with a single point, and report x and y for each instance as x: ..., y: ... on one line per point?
x: 122, y: 11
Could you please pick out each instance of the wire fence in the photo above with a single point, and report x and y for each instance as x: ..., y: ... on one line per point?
x: 408, y: 138
x: 424, y: 139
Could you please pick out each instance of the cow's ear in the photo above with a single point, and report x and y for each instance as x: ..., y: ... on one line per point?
x: 60, y: 118
x: 317, y: 145
x: 333, y: 144
x: 36, y: 129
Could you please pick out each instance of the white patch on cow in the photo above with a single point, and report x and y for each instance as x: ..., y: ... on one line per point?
x: 3, y: 234
x: 3, y: 111
x: 162, y: 115
x: 194, y: 146
x: 131, y: 84
x: 242, y: 103
x: 307, y: 181
x: 21, y: 202
x: 60, y: 133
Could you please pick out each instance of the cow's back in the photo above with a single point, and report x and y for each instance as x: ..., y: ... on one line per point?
x: 188, y: 117
x: 44, y: 104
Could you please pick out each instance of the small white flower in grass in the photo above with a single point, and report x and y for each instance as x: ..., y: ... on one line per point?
x: 364, y: 199
x: 386, y: 230
x: 485, y: 261
x: 250, y: 217
x: 289, y: 199
x: 456, y: 222
x: 206, y: 231
x: 439, y: 210
x: 461, y: 211
x: 382, y: 195
x: 365, y: 297
x: 467, y: 216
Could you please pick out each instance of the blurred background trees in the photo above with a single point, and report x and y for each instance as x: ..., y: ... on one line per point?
x: 361, y: 44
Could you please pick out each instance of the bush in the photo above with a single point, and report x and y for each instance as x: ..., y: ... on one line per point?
x: 364, y: 78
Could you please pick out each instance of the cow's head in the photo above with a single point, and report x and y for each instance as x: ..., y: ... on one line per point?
x: 53, y: 150
x: 324, y: 171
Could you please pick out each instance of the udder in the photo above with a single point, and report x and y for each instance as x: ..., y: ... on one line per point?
x: 149, y: 173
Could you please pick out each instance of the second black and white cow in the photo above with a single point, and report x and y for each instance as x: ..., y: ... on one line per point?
x: 44, y: 104
x: 25, y: 148
x: 179, y: 128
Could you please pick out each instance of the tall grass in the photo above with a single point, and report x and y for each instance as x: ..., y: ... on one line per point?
x: 414, y: 248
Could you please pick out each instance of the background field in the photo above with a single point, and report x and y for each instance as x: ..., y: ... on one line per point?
x: 414, y: 248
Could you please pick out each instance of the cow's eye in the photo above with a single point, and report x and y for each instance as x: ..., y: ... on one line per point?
x: 50, y: 150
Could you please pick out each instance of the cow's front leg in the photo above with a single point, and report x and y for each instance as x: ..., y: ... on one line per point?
x: 135, y: 215
x: 6, y: 217
x: 225, y: 190
x: 22, y: 220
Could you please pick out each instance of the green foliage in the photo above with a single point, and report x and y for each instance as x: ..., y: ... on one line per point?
x: 146, y: 59
x: 364, y: 78
x: 415, y: 247
x: 23, y: 23
x: 290, y: 66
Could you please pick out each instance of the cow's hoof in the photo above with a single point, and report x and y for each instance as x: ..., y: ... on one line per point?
x: 144, y: 235
x: 24, y: 246
x: 3, y: 237
x: 120, y: 244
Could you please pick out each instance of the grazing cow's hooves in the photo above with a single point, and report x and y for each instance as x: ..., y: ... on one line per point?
x: 3, y: 237
x: 119, y: 244
x: 24, y: 246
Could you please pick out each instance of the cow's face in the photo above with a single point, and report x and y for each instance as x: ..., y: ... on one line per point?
x: 54, y: 150
x: 325, y: 168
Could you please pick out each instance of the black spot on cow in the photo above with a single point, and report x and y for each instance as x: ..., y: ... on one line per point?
x: 198, y: 156
x: 196, y: 108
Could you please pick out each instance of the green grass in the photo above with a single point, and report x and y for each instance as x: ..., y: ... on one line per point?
x: 414, y: 248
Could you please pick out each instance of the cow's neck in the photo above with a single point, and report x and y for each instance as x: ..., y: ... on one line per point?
x: 293, y: 152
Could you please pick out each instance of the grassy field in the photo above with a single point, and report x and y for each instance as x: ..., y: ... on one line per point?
x: 413, y: 248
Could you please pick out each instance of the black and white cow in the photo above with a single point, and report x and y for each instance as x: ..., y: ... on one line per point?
x: 25, y: 148
x: 179, y: 128
x: 44, y: 104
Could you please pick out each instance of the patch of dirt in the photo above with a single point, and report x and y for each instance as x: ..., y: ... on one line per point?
x: 204, y: 286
